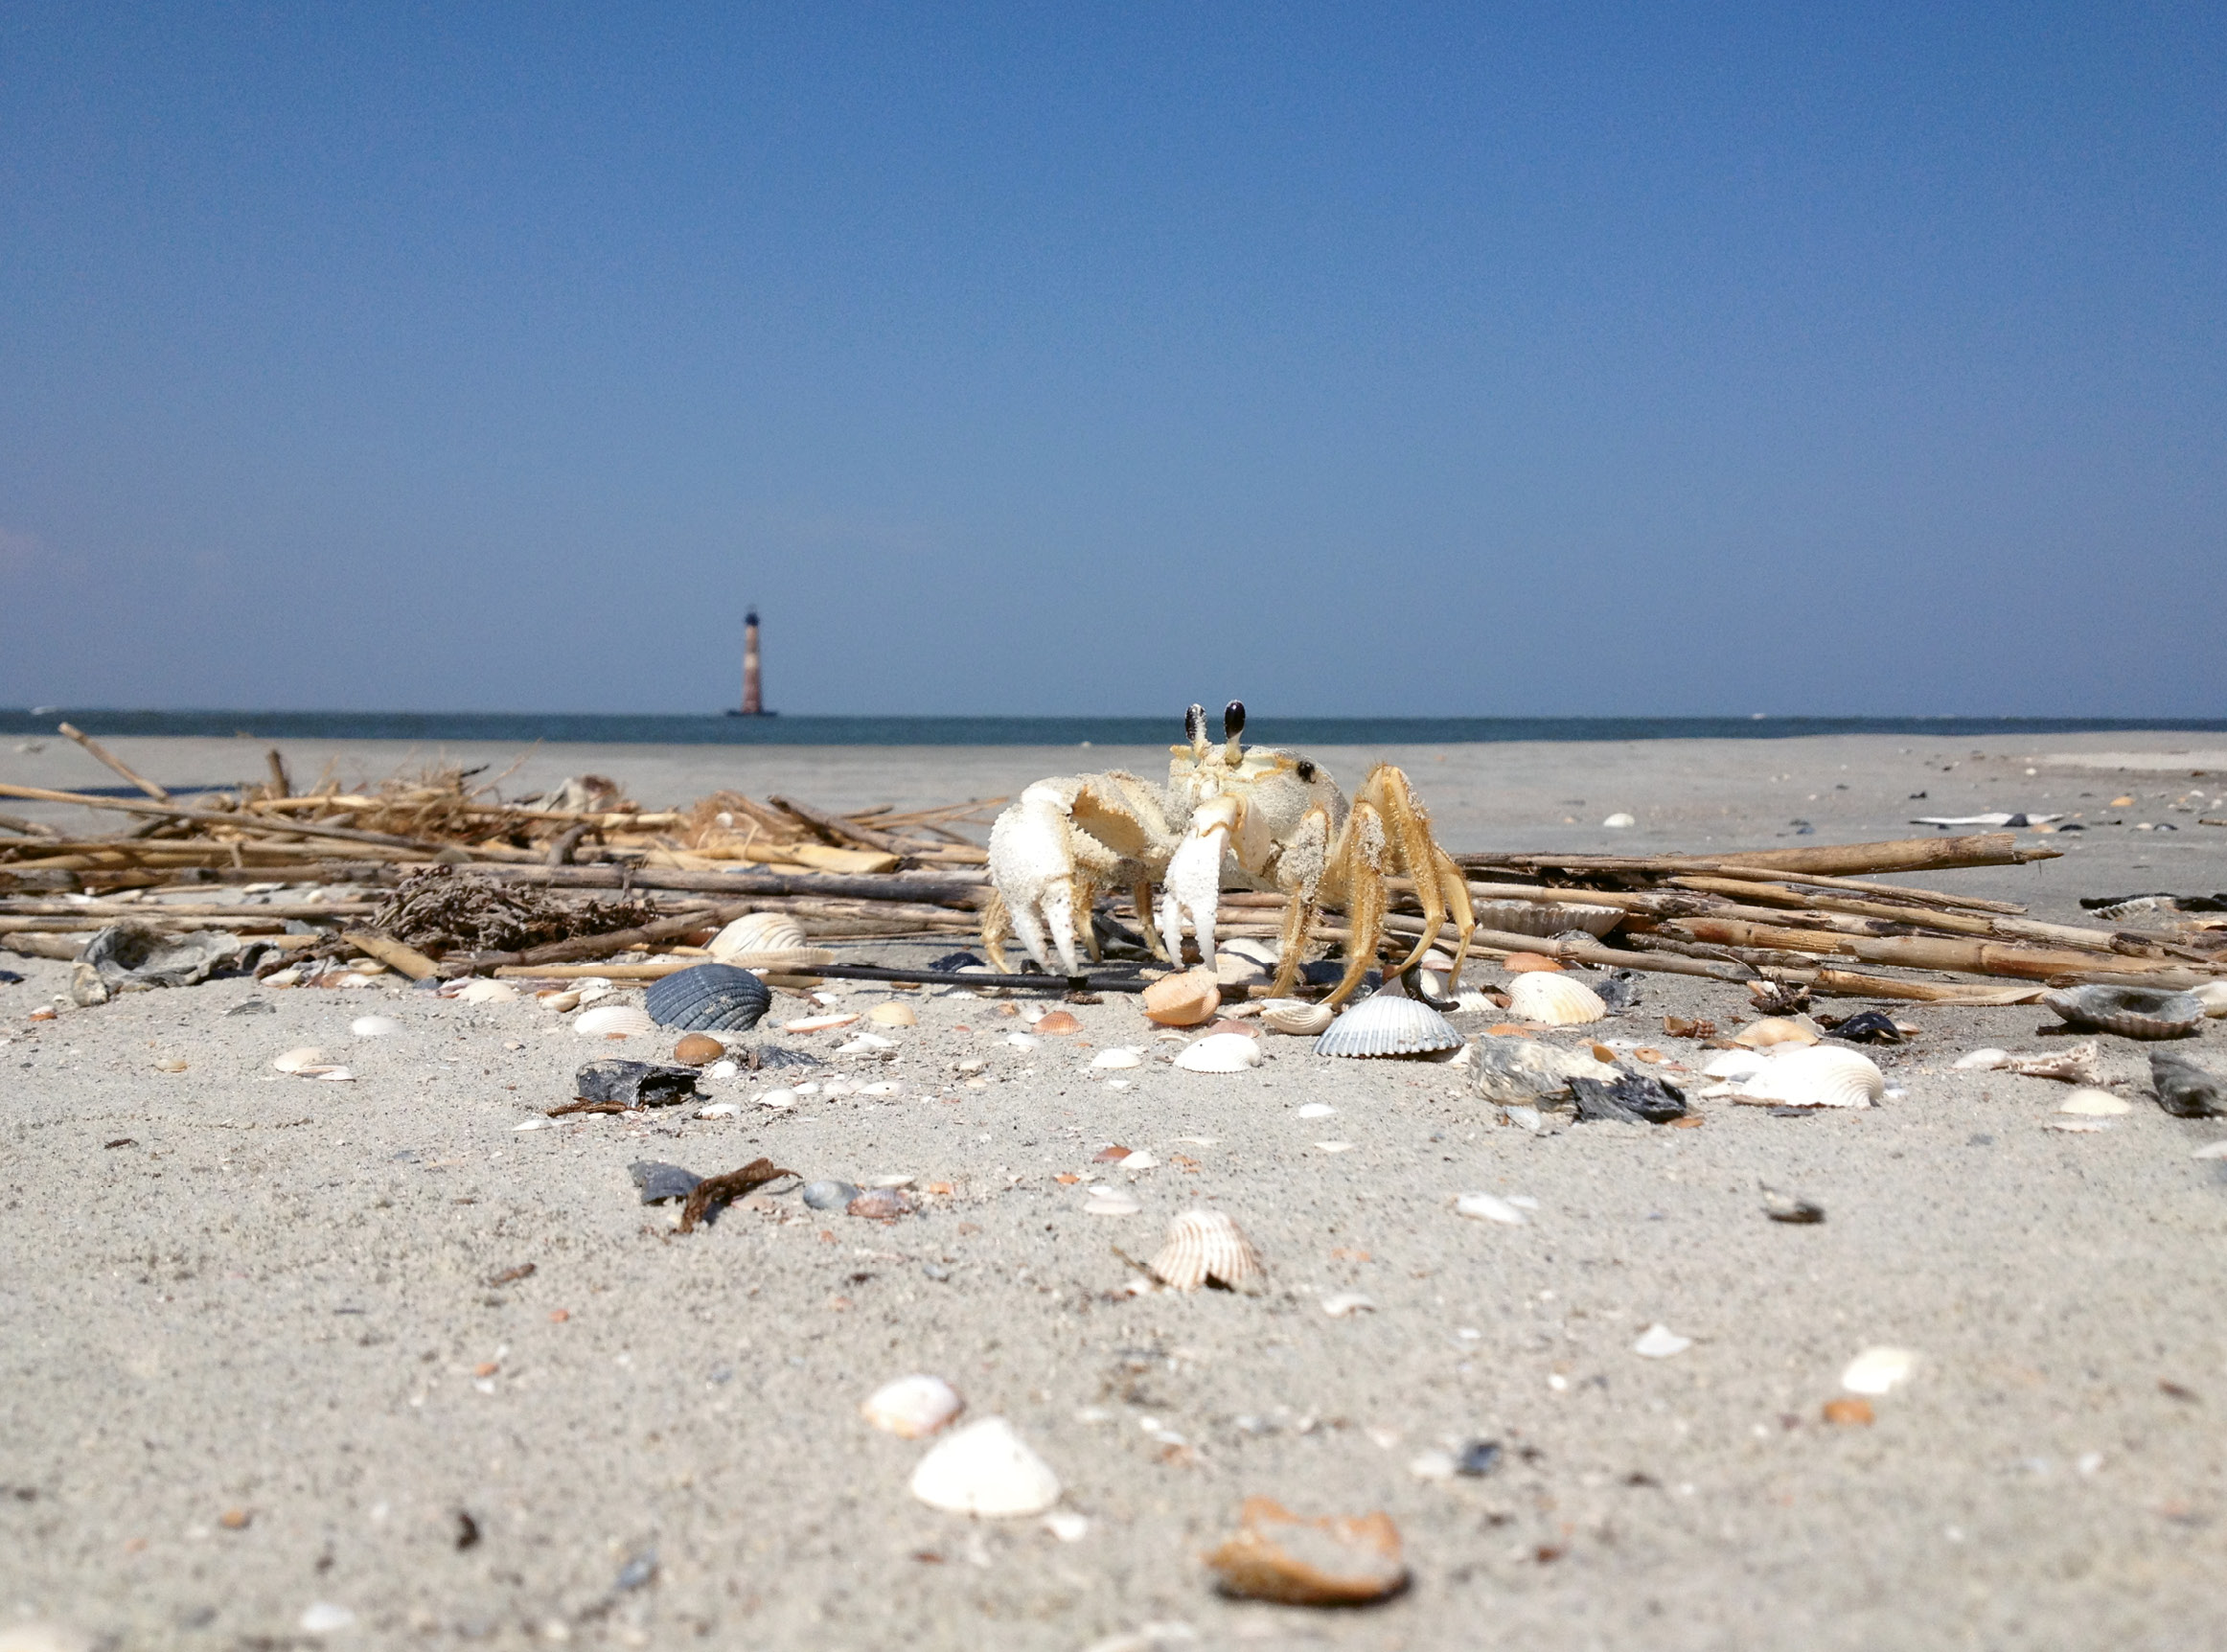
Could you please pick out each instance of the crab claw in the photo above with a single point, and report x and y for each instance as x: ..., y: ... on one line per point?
x: 1193, y: 884
x: 1033, y: 867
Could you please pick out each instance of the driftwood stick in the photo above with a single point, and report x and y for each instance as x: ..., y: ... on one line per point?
x: 965, y: 894
x: 1836, y: 860
x: 1959, y: 956
x: 282, y: 784
x: 116, y: 763
x: 408, y: 960
x: 838, y: 830
x: 212, y: 817
x: 29, y: 828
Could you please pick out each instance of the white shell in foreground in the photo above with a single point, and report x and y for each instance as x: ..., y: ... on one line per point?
x: 487, y: 993
x: 305, y: 1059
x: 1386, y: 1024
x: 896, y: 1012
x: 1552, y: 1000
x: 1205, y: 1245
x: 1774, y: 1030
x: 1819, y: 1075
x: 2094, y: 1104
x: 913, y: 1407
x: 1660, y: 1343
x: 613, y: 1021
x: 1296, y: 1016
x: 1120, y: 1056
x: 2213, y: 994
x: 1489, y: 1207
x: 374, y: 1027
x: 757, y: 932
x: 985, y: 1469
x: 1878, y: 1370
x: 1220, y: 1052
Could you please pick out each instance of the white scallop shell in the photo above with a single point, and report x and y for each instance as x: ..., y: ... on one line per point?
x: 985, y: 1469
x: 1552, y: 1000
x: 1387, y: 1024
x: 613, y: 1021
x: 1220, y: 1052
x: 757, y: 932
x: 1296, y: 1016
x: 487, y: 993
x: 913, y: 1407
x: 1204, y: 1245
x: 1819, y: 1075
x: 1121, y: 1055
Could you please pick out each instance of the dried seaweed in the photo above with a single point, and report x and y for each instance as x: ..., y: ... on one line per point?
x: 439, y: 909
x: 722, y: 1189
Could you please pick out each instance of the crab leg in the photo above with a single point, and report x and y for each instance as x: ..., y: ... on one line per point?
x: 1359, y: 869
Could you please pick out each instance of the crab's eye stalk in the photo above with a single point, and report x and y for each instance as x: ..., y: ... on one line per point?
x: 1307, y: 769
x: 1195, y: 727
x: 1233, y: 726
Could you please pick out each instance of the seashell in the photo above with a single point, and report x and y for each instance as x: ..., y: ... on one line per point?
x: 1388, y: 1023
x: 1475, y: 1003
x: 720, y: 1109
x: 487, y: 993
x: 592, y: 987
x: 1489, y: 1207
x: 881, y: 1204
x: 306, y: 1059
x: 757, y: 932
x: 2213, y: 996
x: 913, y: 1407
x: 2082, y: 1125
x: 865, y: 1044
x: 1266, y: 953
x: 558, y: 1001
x: 1231, y: 1025
x: 1315, y: 1110
x: 2211, y: 1150
x: 1660, y: 1343
x: 827, y: 1195
x: 1019, y: 1041
x: 1067, y: 1526
x: 1620, y: 820
x: 1517, y: 1070
x: 2132, y: 1011
x: 777, y: 1099
x: 1219, y: 1053
x: 1278, y: 1556
x: 1205, y: 1247
x: 1183, y: 1000
x: 2185, y: 1088
x: 1059, y: 1023
x: 1553, y: 1001
x: 1774, y: 1030
x: 329, y: 1075
x: 2094, y: 1104
x: 1734, y: 1065
x: 817, y: 1024
x: 1296, y: 1016
x: 1819, y: 1075
x: 1112, y: 1202
x: 1878, y: 1370
x: 985, y: 1469
x: 612, y: 1021
x: 1981, y: 1059
x: 888, y: 1086
x: 1344, y: 1303
x: 1528, y: 963
x: 709, y: 998
x: 374, y: 1027
x: 1783, y: 1207
x: 1139, y: 1160
x: 1121, y: 1057
x: 893, y: 1014
x: 696, y: 1049
x: 1333, y: 1147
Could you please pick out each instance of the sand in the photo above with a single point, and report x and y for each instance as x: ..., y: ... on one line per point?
x: 227, y: 1291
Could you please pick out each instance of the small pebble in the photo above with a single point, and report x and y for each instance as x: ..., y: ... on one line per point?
x: 1878, y: 1370
x: 1433, y: 1465
x: 697, y: 1050
x: 1660, y: 1343
x: 1477, y: 1459
x: 828, y: 1195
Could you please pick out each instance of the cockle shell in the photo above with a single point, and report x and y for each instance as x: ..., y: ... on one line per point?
x: 1515, y: 1072
x: 1219, y: 1053
x: 757, y: 932
x: 2093, y: 1103
x: 1278, y: 1556
x: 896, y: 1012
x: 1183, y: 1000
x: 1819, y: 1075
x: 2132, y: 1011
x: 487, y: 993
x: 1554, y: 1001
x: 1295, y: 1016
x: 613, y: 1021
x: 1120, y: 1056
x: 1774, y: 1030
x: 913, y: 1407
x: 985, y: 1469
x: 1205, y: 1246
x: 1387, y: 1024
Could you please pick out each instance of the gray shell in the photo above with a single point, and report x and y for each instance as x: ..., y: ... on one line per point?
x: 1518, y: 1071
x: 2132, y: 1011
x: 1387, y: 1024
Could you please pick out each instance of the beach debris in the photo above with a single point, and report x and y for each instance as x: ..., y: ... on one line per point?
x: 1848, y: 1412
x: 2186, y: 1087
x: 2132, y: 1011
x: 485, y: 991
x: 717, y: 1192
x: 697, y: 1049
x: 660, y: 1181
x: 1120, y: 1056
x: 1878, y: 1370
x: 1219, y: 1053
x: 1819, y: 1075
x: 896, y: 1012
x: 442, y: 908
x: 133, y: 957
x: 1866, y: 1026
x: 1994, y: 817
x: 1183, y: 1000
x: 1773, y: 1031
x: 1658, y: 1342
x: 1058, y: 1024
x: 1618, y: 989
x: 1296, y: 1016
x: 709, y: 998
x: 756, y: 933
x: 881, y: 1204
x: 2076, y: 1064
x: 1546, y: 919
x: 1551, y: 999
x: 308, y: 1062
x: 1617, y: 821
x: 1789, y: 1207
x: 1684, y: 1027
x: 1627, y: 1098
x: 1207, y: 1248
x: 374, y: 1027
x: 827, y: 1195
x: 2091, y: 1103
x: 612, y: 1021
x: 1342, y: 1304
x: 632, y: 1083
x: 1235, y: 968
x: 1525, y: 963
x: 1388, y: 1023
x: 1475, y: 1459
x: 773, y: 1058
x: 913, y: 1407
x: 1314, y: 1110
x: 1490, y: 1208
x: 987, y: 1470
x: 818, y: 1024
x: 1339, y: 1560
x: 1515, y: 1072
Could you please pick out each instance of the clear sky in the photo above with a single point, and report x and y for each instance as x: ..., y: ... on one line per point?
x: 1373, y: 359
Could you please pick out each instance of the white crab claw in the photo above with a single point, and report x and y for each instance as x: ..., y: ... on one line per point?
x: 1031, y: 864
x: 1193, y: 884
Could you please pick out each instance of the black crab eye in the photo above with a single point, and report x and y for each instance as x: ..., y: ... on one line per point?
x: 1234, y: 720
x: 1307, y: 769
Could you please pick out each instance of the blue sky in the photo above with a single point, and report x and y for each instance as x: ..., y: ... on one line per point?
x: 1345, y: 360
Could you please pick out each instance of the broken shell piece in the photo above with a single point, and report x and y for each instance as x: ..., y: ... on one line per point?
x: 613, y: 1021
x: 1296, y: 1016
x: 1774, y: 1030
x: 1555, y: 1000
x: 1489, y: 1207
x: 757, y: 932
x: 894, y: 1014
x: 559, y: 999
x: 1281, y: 1556
x: 2132, y: 1011
x: 1339, y: 1304
x: 1528, y: 963
x: 716, y: 1110
x: 487, y: 993
x: 1660, y: 1343
x: 1183, y: 1000
x: 306, y: 1059
x: 865, y: 1044
x: 2187, y: 1088
x: 2094, y: 1102
x: 1120, y: 1057
x: 1878, y: 1370
x: 817, y: 1024
x: 1787, y: 1207
x: 1112, y: 1202
x: 1388, y: 1023
x: 374, y: 1027
x: 2213, y: 996
x: 1219, y: 1053
x: 1981, y: 1061
x: 1822, y: 1075
x: 985, y: 1469
x: 1515, y: 1072
x: 1205, y: 1247
x: 913, y: 1407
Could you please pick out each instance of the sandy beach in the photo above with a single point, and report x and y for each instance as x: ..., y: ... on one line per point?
x: 365, y: 1364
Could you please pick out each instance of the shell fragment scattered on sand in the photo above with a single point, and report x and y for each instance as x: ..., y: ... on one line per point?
x: 1878, y: 1370
x: 985, y: 1469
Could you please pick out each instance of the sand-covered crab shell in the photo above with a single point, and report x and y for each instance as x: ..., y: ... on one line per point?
x: 1554, y: 1001
x: 1389, y: 1024
x: 1207, y: 1247
x: 2132, y: 1011
x: 1818, y: 1075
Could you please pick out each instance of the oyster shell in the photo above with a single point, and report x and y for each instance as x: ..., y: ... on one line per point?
x: 1553, y: 1001
x: 1515, y: 1072
x: 2132, y: 1011
x: 1388, y: 1023
x: 1205, y: 1247
x: 1220, y: 1052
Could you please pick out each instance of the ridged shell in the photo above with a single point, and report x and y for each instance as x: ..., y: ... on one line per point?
x: 1296, y: 1016
x: 1819, y: 1075
x: 1387, y: 1024
x: 1183, y: 1000
x: 1773, y: 1030
x: 757, y: 932
x: 1120, y: 1056
x: 1553, y: 1001
x: 487, y: 993
x: 1515, y: 1072
x: 2132, y: 1011
x: 1219, y: 1053
x: 612, y: 1021
x: 710, y: 998
x: 913, y: 1407
x: 896, y: 1012
x: 1205, y: 1245
x: 1538, y: 918
x: 985, y: 1469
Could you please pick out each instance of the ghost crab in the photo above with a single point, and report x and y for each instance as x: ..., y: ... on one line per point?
x: 1250, y: 819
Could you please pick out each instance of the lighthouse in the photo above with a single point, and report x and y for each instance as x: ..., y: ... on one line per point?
x: 753, y: 697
